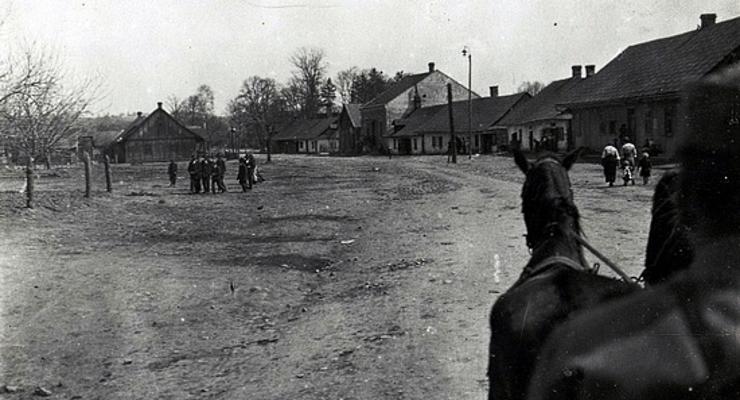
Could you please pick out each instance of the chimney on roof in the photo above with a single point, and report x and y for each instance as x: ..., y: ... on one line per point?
x: 493, y: 90
x: 431, y: 67
x: 138, y: 114
x: 707, y: 20
x: 590, y: 70
x: 576, y: 71
x: 159, y: 104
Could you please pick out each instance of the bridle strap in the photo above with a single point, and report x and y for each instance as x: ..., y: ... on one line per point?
x: 567, y: 261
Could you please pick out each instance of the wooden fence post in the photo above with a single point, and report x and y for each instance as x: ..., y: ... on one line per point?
x: 29, y: 182
x: 452, y: 124
x: 86, y: 160
x: 108, y: 186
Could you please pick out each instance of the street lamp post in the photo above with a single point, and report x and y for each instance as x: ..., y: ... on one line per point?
x: 466, y: 52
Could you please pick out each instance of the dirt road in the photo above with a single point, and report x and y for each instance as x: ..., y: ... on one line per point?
x: 351, y: 278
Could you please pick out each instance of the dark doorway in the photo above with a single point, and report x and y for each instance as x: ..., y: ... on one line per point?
x: 404, y: 146
x: 486, y: 144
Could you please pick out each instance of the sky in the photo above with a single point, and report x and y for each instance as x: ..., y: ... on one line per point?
x: 147, y: 50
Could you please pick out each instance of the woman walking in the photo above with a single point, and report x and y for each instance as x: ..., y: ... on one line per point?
x: 610, y: 161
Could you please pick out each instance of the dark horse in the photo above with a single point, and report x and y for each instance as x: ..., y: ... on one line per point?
x: 678, y: 340
x: 669, y: 249
x: 554, y: 283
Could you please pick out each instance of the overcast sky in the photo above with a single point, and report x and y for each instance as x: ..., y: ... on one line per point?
x: 147, y: 50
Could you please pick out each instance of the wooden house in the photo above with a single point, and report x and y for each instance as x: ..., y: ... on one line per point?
x: 309, y: 136
x: 637, y: 94
x: 151, y: 138
x: 350, y: 130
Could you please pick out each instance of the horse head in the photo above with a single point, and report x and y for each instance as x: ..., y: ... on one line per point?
x: 547, y: 198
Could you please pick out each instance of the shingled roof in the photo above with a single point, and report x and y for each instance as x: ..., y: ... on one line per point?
x: 305, y: 129
x: 661, y: 67
x: 396, y: 89
x: 543, y: 106
x: 487, y: 111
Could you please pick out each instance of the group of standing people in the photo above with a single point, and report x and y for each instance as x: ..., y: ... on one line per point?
x: 207, y: 174
x: 611, y: 160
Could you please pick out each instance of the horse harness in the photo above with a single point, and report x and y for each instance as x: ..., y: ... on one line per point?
x: 542, y: 265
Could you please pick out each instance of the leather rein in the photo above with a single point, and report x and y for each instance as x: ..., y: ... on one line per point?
x: 567, y: 261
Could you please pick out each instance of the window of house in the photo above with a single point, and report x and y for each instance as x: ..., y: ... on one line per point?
x: 477, y: 140
x: 415, y: 145
x: 395, y: 144
x: 612, y: 127
x: 668, y: 120
x: 631, y: 124
x: 300, y: 145
x: 649, y: 122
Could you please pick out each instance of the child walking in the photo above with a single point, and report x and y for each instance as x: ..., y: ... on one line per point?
x: 645, y: 166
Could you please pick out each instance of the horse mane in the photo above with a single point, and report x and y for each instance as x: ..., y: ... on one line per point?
x: 538, y: 194
x: 669, y: 248
x: 547, y: 198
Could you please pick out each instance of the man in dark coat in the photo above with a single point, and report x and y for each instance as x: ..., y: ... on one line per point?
x: 215, y: 172
x: 241, y: 177
x: 251, y: 166
x: 194, y: 169
x: 172, y: 172
x: 221, y: 164
x: 680, y: 339
x: 206, y: 174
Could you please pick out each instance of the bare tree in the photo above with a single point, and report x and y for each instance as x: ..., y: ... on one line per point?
x: 309, y: 72
x: 259, y: 103
x: 40, y: 105
x: 531, y: 87
x: 345, y: 79
x: 292, y: 97
x: 175, y: 105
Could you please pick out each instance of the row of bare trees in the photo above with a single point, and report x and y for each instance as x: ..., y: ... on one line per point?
x: 263, y: 104
x: 41, y: 104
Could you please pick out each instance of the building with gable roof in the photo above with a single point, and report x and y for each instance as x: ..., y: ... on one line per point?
x: 401, y: 99
x: 151, y: 138
x: 350, y: 130
x: 637, y: 94
x: 427, y: 130
x: 308, y: 136
x: 540, y: 123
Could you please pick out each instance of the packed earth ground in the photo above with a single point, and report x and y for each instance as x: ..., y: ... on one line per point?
x: 337, y: 278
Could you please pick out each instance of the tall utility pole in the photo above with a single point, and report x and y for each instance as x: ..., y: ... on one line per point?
x: 452, y: 125
x: 467, y: 52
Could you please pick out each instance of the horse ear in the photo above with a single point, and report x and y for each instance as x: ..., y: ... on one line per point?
x: 521, y: 161
x: 571, y: 158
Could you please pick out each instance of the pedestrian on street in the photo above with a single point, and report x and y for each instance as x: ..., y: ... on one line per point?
x: 221, y: 164
x: 172, y: 172
x: 194, y: 169
x: 251, y: 167
x: 207, y: 168
x: 629, y: 152
x: 610, y: 161
x: 241, y: 176
x: 214, y: 176
x: 645, y: 167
